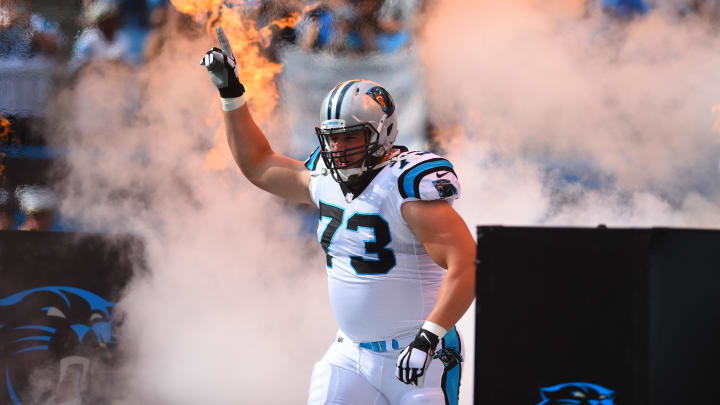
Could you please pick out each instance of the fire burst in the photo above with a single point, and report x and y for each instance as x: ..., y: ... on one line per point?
x: 257, y: 73
x: 5, y: 131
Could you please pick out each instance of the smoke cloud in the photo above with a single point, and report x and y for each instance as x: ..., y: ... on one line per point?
x: 233, y: 307
x: 560, y: 118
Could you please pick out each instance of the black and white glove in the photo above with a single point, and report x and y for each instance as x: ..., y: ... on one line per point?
x: 220, y: 64
x: 413, y: 361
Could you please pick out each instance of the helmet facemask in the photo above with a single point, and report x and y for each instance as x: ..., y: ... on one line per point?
x: 347, y: 165
x: 356, y: 105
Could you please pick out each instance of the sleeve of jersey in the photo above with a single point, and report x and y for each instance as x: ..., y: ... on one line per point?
x: 312, y: 161
x: 311, y: 164
x: 432, y: 179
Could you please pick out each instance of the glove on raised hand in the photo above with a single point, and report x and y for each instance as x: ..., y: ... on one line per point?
x: 413, y: 361
x: 220, y: 64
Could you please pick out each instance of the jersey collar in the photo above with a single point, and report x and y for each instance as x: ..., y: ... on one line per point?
x: 357, y: 187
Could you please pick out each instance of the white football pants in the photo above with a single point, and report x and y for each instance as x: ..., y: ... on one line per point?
x: 352, y: 375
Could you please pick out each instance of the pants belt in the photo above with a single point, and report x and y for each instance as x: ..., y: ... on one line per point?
x: 378, y: 346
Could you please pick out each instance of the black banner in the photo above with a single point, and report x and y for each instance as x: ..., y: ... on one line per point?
x: 596, y: 316
x: 57, y: 326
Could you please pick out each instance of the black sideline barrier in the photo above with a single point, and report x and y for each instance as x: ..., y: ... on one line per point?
x: 597, y: 316
x: 57, y: 326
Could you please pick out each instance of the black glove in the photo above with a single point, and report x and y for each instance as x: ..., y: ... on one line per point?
x: 413, y: 361
x: 220, y: 64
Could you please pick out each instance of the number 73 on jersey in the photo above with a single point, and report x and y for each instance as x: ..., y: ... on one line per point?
x: 377, y: 245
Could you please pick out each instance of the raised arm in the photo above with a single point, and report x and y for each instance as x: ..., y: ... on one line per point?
x: 272, y: 172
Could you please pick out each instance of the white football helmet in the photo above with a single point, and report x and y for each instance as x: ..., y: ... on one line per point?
x: 357, y: 105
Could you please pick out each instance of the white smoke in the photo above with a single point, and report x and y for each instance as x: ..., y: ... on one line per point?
x: 233, y: 307
x: 545, y: 97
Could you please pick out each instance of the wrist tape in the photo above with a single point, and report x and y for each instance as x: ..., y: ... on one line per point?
x: 438, y: 330
x: 229, y: 104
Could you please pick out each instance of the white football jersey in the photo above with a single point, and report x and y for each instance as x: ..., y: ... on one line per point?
x: 382, y: 282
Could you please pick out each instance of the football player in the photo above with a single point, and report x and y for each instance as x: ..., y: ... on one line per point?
x: 400, y: 260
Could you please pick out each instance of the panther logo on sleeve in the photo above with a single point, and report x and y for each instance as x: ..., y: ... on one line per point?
x: 444, y: 187
x: 426, y: 176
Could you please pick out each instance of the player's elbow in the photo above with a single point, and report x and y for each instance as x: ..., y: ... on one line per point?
x: 462, y: 268
x: 255, y: 174
x: 258, y: 170
x: 461, y: 262
x: 252, y: 163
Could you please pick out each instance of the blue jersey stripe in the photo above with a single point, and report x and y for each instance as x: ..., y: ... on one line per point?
x: 409, y: 179
x: 451, y: 386
x: 311, y: 163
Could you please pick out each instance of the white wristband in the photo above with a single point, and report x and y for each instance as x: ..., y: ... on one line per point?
x: 229, y: 104
x: 438, y: 330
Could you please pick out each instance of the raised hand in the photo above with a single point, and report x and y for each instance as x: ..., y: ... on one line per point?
x: 220, y: 64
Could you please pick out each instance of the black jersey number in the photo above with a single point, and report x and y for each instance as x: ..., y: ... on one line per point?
x: 335, y: 214
x: 386, y: 257
x: 377, y: 245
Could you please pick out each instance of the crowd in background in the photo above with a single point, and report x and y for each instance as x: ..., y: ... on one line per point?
x: 45, y: 45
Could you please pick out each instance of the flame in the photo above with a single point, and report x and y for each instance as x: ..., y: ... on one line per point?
x: 5, y: 131
x: 266, y: 31
x: 257, y: 73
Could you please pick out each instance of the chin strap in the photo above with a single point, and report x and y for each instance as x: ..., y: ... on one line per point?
x: 385, y: 163
x: 320, y: 172
x: 323, y: 171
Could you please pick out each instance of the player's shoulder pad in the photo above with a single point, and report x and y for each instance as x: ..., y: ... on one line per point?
x: 425, y: 176
x: 312, y: 162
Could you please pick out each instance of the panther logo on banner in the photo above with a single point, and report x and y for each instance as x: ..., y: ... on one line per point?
x: 64, y: 331
x: 577, y: 393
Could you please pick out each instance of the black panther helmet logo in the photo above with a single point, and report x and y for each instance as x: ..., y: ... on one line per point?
x: 577, y: 393
x: 62, y: 329
x: 381, y: 96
